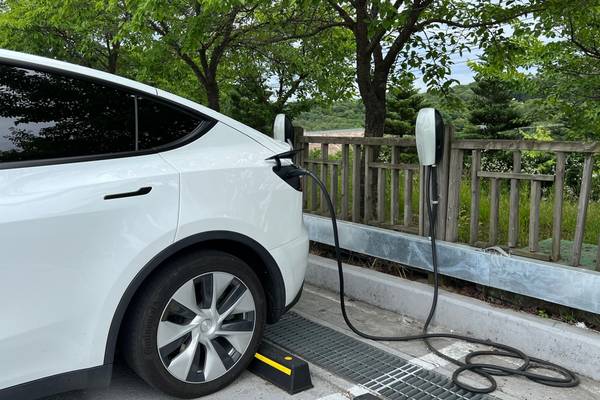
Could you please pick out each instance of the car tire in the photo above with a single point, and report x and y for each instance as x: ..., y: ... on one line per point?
x: 196, y: 324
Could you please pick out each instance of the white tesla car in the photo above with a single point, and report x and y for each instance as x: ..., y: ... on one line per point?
x: 131, y: 216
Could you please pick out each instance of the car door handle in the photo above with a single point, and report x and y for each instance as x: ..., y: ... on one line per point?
x: 139, y: 192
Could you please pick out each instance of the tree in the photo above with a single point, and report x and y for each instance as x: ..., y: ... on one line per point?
x: 197, y: 33
x: 556, y: 57
x: 86, y: 32
x: 217, y: 44
x: 421, y: 34
x: 156, y: 66
x: 393, y: 36
x: 249, y: 101
x: 208, y: 35
x: 453, y: 105
x: 286, y: 77
x: 403, y: 104
x: 569, y: 66
x: 493, y: 112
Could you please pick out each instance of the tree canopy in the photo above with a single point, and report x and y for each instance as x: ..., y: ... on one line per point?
x: 253, y: 59
x: 555, y: 56
x: 86, y: 32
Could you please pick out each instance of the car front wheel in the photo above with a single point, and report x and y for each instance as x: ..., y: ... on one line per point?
x: 196, y: 325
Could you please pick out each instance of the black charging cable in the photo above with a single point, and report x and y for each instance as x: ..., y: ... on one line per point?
x: 528, y: 364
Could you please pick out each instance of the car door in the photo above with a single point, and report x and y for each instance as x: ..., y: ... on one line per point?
x: 80, y: 213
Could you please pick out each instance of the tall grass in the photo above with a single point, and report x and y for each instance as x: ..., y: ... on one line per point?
x: 569, y: 214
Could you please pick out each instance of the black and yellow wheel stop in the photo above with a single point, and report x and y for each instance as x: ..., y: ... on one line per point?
x: 282, y: 369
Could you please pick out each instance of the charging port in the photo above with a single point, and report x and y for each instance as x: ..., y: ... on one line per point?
x: 292, y: 175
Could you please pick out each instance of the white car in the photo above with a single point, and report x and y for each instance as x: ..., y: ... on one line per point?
x: 132, y: 216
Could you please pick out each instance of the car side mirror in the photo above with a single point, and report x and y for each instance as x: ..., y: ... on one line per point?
x: 283, y: 129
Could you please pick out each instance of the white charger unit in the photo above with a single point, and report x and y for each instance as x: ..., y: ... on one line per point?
x: 429, y: 132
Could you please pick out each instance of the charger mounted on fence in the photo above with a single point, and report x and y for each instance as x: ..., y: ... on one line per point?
x: 430, y: 136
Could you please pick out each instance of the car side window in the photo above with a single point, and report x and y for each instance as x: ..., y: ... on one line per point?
x: 45, y: 115
x: 160, y: 124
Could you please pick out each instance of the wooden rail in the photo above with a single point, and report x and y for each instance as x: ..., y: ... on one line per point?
x: 379, y: 187
x: 372, y: 191
x: 531, y: 145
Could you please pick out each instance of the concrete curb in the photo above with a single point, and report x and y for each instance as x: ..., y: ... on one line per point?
x: 574, y: 348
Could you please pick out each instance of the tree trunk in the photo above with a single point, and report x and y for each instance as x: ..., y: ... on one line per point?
x: 113, y: 57
x: 112, y: 62
x: 375, y: 110
x: 212, y: 93
x: 372, y: 85
x: 374, y: 115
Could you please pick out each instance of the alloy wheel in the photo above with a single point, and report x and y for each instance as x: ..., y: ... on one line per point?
x: 206, y: 327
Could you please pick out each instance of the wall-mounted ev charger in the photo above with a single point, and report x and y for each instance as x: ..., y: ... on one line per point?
x: 430, y: 145
x: 430, y: 136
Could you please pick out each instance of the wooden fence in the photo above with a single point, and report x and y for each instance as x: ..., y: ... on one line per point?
x: 367, y: 184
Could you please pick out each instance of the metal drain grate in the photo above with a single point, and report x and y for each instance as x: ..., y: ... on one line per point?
x: 388, y: 375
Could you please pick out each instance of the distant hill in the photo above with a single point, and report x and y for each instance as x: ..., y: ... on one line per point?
x: 339, y: 115
x: 455, y: 109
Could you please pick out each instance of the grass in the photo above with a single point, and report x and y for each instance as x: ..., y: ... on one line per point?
x: 569, y: 214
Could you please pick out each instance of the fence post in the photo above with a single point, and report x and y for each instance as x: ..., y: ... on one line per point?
x: 584, y: 197
x: 513, y: 217
x: 302, y: 157
x: 443, y: 176
x: 559, y: 183
x: 356, y: 183
x: 299, y: 143
x: 534, y: 216
x: 324, y: 167
x: 408, y: 185
x: 333, y: 185
x: 314, y: 189
x: 345, y: 174
x: 368, y: 181
x: 394, y: 206
x: 494, y: 208
x: 475, y: 196
x: 456, y: 166
x: 381, y: 181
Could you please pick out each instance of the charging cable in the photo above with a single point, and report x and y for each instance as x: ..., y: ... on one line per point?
x: 562, y: 376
